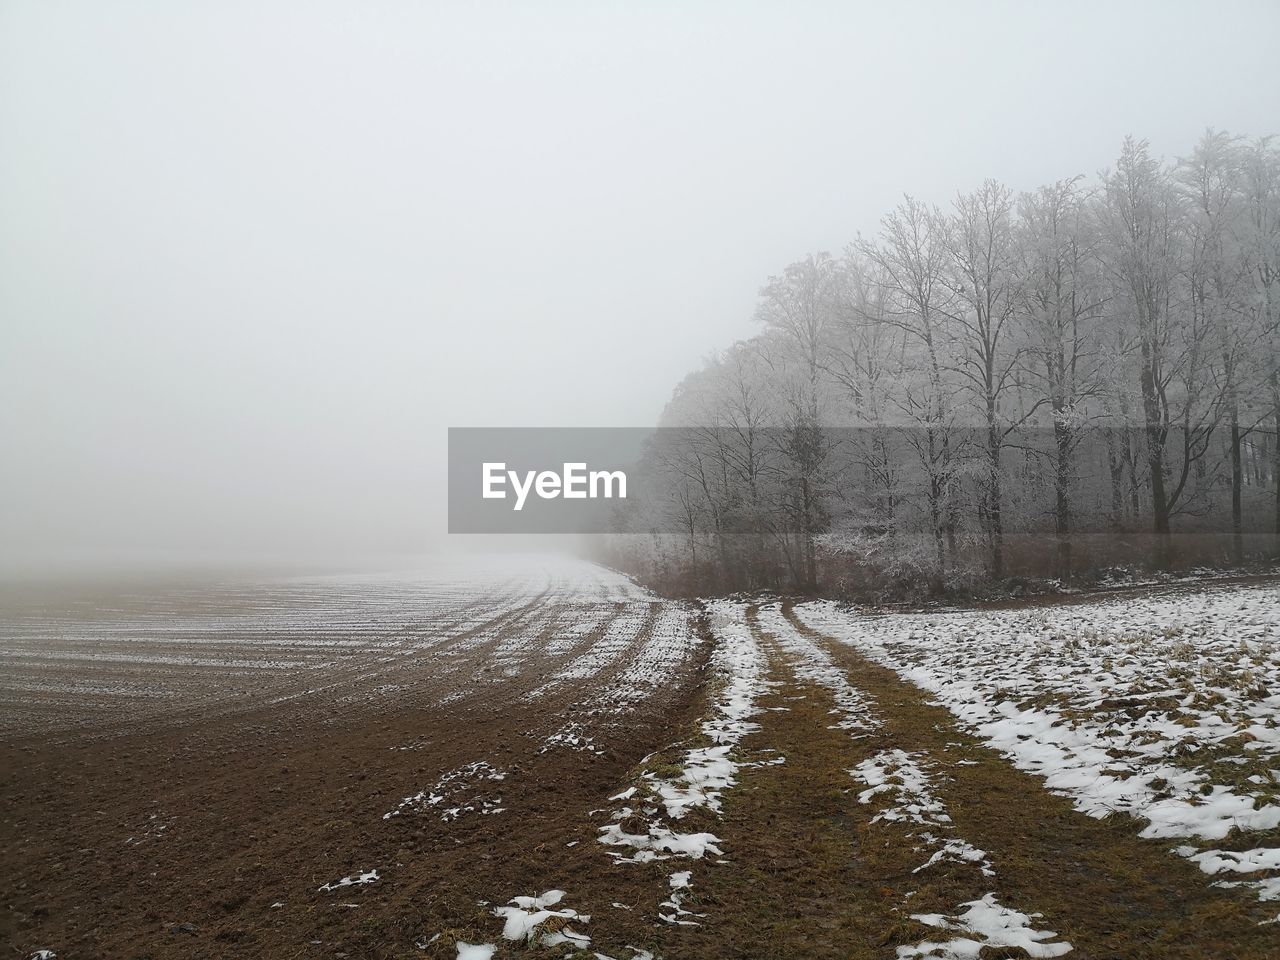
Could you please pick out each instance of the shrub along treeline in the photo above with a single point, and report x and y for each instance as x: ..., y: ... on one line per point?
x: 1037, y: 385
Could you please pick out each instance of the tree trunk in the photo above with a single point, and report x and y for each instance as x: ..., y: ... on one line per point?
x: 937, y: 520
x: 1237, y: 485
x: 993, y: 506
x: 1115, y: 464
x: 1062, y: 503
x: 1275, y: 452
x: 1155, y: 437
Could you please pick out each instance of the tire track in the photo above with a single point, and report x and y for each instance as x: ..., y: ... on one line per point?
x: 1109, y: 892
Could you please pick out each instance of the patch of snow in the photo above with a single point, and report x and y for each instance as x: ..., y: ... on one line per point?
x: 993, y: 925
x: 1246, y: 861
x: 1141, y: 706
x: 674, y: 905
x: 355, y: 880
x: 740, y: 664
x: 812, y: 664
x: 571, y: 736
x: 896, y: 772
x: 900, y: 778
x: 524, y: 915
x: 657, y: 841
x: 455, y: 782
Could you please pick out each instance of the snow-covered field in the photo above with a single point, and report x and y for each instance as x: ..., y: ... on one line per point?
x: 546, y: 759
x: 150, y: 650
x: 1166, y: 708
x: 372, y: 717
x: 1159, y: 708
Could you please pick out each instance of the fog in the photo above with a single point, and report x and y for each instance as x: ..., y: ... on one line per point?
x: 255, y: 258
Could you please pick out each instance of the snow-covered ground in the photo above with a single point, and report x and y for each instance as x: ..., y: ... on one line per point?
x: 644, y: 821
x: 901, y: 786
x: 738, y: 666
x: 93, y: 656
x: 1163, y: 707
x: 853, y: 710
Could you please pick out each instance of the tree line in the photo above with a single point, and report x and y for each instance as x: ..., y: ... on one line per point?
x: 1044, y: 383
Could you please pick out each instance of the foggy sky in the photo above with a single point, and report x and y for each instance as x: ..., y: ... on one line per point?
x: 256, y: 257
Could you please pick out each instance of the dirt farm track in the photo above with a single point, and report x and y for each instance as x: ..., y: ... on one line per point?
x: 543, y: 759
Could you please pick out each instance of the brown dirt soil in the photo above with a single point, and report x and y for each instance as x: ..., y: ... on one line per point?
x: 186, y: 835
x: 179, y: 836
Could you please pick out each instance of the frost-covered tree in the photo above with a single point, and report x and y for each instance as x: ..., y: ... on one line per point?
x: 1058, y: 307
x: 977, y: 392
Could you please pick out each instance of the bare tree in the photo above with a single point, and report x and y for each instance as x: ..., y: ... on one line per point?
x: 981, y: 276
x: 1259, y: 237
x: 1059, y: 303
x: 1141, y: 212
x: 910, y: 258
x: 1103, y: 347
